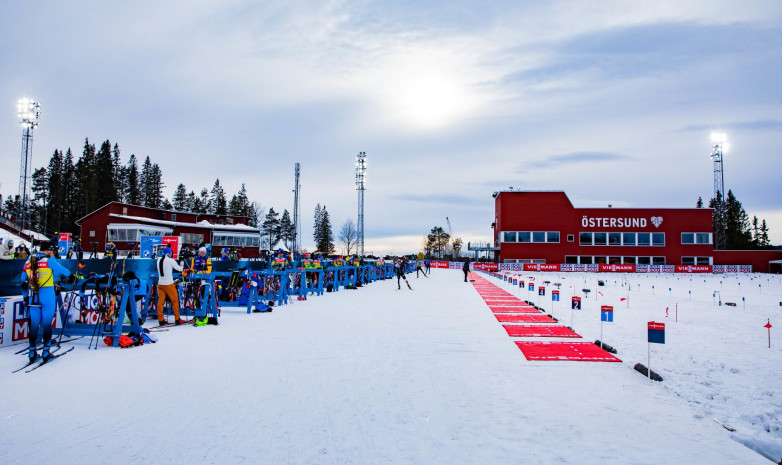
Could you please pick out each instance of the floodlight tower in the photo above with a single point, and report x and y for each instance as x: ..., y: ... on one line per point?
x: 28, y: 111
x: 720, y: 218
x: 296, y: 210
x: 361, y: 177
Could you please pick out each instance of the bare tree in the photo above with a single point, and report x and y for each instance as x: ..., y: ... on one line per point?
x: 348, y: 235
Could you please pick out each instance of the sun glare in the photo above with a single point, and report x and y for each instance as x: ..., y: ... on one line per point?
x: 428, y: 100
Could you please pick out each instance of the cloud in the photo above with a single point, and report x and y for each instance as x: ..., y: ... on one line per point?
x: 581, y: 157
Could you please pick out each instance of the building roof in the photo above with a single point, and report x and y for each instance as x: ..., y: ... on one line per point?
x: 201, y: 224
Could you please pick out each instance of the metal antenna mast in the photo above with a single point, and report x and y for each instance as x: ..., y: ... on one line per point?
x: 296, y: 210
x: 361, y: 175
x: 28, y: 112
x: 720, y: 213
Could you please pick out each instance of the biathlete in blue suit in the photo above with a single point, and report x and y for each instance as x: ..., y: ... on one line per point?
x: 39, y: 275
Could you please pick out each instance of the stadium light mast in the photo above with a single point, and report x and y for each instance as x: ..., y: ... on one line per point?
x: 296, y: 209
x: 29, y: 111
x: 361, y: 177
x: 720, y: 211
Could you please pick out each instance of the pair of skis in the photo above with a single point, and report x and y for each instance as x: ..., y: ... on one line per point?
x: 38, y: 362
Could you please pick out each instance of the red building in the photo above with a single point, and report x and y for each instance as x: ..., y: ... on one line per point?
x: 545, y: 227
x: 124, y: 224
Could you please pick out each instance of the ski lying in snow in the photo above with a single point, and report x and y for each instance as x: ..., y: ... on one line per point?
x: 47, y: 361
x: 54, y: 344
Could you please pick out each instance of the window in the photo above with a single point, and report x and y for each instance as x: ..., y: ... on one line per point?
x: 571, y: 238
x: 92, y: 233
x: 628, y: 238
x: 688, y: 238
x: 688, y: 260
x: 585, y: 260
x: 614, y: 260
x: 173, y: 217
x: 600, y: 238
x: 552, y: 236
x: 644, y: 260
x: 703, y: 260
x: 658, y: 260
x: 658, y: 239
x: 585, y: 238
x: 644, y: 239
x: 614, y: 238
x: 509, y: 236
x: 600, y: 260
x: 628, y: 260
x: 525, y: 237
x: 124, y: 210
x: 538, y: 236
x: 702, y: 238
x: 164, y: 215
x: 122, y: 234
x: 571, y: 260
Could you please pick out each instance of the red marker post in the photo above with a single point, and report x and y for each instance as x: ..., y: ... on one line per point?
x: 768, y: 326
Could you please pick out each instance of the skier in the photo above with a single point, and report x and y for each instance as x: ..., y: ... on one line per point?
x: 7, y: 250
x: 428, y: 266
x: 418, y: 268
x: 38, y: 278
x: 77, y: 251
x: 166, y: 287
x: 400, y: 274
x: 201, y: 263
x: 111, y: 251
x: 466, y: 269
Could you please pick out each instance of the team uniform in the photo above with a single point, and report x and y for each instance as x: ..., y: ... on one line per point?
x: 42, y: 305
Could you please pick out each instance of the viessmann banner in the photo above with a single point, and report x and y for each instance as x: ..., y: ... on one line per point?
x: 607, y: 268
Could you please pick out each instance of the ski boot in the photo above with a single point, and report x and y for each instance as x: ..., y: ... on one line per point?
x: 33, y: 355
x: 46, y: 355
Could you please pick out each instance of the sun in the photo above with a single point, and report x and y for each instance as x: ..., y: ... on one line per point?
x: 428, y: 100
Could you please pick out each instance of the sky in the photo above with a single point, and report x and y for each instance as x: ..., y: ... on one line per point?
x: 611, y: 101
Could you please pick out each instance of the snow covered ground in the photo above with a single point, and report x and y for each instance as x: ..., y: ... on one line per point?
x: 380, y: 376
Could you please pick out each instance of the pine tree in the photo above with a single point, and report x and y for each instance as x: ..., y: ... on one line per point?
x: 133, y: 182
x: 755, y: 233
x: 166, y: 205
x: 764, y: 242
x: 38, y: 205
x: 738, y: 235
x: 70, y: 194
x: 155, y: 193
x: 191, y: 203
x: 104, y: 172
x: 699, y: 203
x: 239, y: 203
x: 179, y: 201
x: 718, y: 221
x: 120, y: 183
x: 145, y: 179
x: 87, y: 181
x: 55, y: 200
x: 287, y: 232
x: 317, y: 226
x: 271, y: 227
x: 205, y: 206
x: 327, y: 236
x: 218, y: 201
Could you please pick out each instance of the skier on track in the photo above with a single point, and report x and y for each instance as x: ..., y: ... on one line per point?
x: 418, y: 268
x: 400, y: 274
x: 38, y: 279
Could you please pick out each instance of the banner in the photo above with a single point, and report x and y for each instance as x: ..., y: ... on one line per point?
x: 147, y: 246
x: 615, y: 268
x: 64, y: 244
x: 541, y: 267
x: 175, y: 242
x: 693, y: 268
x: 439, y: 264
x: 485, y: 266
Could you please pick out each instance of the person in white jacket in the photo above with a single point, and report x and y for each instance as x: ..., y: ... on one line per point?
x: 166, y: 287
x: 7, y: 250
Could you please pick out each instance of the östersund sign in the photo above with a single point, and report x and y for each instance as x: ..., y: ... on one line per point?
x: 591, y: 222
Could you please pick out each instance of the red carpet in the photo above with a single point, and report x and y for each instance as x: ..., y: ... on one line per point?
x: 578, y: 351
x: 507, y: 303
x: 538, y: 331
x: 524, y: 318
x: 514, y: 309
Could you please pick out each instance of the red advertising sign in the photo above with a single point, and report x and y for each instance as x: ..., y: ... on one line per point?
x: 606, y: 308
x: 693, y: 268
x: 541, y: 267
x: 656, y: 326
x: 615, y: 268
x: 576, y: 299
x: 438, y: 264
x: 65, y: 237
x: 173, y: 242
x: 485, y: 266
